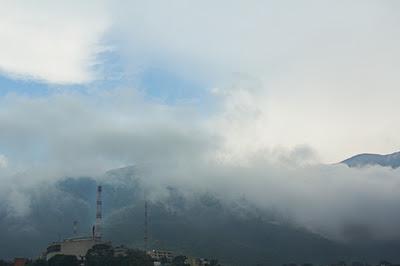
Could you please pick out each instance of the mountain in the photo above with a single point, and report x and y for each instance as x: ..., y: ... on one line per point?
x: 203, y: 225
x: 199, y: 224
x: 365, y: 159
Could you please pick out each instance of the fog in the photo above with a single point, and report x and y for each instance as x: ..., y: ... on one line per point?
x: 62, y: 135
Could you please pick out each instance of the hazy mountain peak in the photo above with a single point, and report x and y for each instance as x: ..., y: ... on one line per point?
x: 389, y: 160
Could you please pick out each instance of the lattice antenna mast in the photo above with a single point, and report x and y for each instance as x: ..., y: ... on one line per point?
x: 97, y: 232
x: 146, y: 237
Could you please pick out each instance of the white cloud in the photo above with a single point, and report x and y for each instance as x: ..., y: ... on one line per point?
x: 326, y: 70
x: 52, y: 42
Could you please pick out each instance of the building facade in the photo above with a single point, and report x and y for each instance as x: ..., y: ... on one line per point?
x: 77, y: 246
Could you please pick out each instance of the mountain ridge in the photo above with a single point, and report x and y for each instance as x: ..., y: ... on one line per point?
x: 372, y: 159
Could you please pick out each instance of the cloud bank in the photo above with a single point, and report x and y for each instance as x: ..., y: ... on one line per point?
x: 321, y: 71
x: 75, y: 134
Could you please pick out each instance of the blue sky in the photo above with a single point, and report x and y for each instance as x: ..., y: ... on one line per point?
x: 9, y: 85
x: 159, y: 84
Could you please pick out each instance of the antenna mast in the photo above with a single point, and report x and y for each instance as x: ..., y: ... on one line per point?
x: 145, y: 226
x: 97, y: 231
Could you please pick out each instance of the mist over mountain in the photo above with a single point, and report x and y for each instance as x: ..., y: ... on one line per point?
x: 368, y: 159
x: 196, y: 223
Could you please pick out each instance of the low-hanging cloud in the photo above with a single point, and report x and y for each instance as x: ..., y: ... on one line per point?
x: 75, y: 134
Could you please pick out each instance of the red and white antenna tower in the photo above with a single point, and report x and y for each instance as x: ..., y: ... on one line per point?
x: 97, y: 231
x: 146, y: 237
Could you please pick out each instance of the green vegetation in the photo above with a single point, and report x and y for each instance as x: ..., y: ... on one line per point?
x: 103, y: 255
x: 99, y: 255
x: 134, y: 258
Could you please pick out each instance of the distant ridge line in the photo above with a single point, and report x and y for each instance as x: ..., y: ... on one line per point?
x: 370, y: 159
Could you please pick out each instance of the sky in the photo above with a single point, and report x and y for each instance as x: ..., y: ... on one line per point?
x: 87, y: 87
x: 316, y: 73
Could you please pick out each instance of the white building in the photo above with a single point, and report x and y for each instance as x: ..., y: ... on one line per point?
x: 77, y: 246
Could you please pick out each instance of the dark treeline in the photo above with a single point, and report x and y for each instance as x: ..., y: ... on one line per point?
x: 103, y: 255
x: 99, y: 255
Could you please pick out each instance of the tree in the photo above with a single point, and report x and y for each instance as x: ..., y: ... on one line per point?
x: 100, y: 255
x: 63, y: 260
x: 138, y: 258
x: 103, y: 255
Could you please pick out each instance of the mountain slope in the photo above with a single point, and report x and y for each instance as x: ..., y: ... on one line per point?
x: 202, y: 224
x: 365, y: 159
